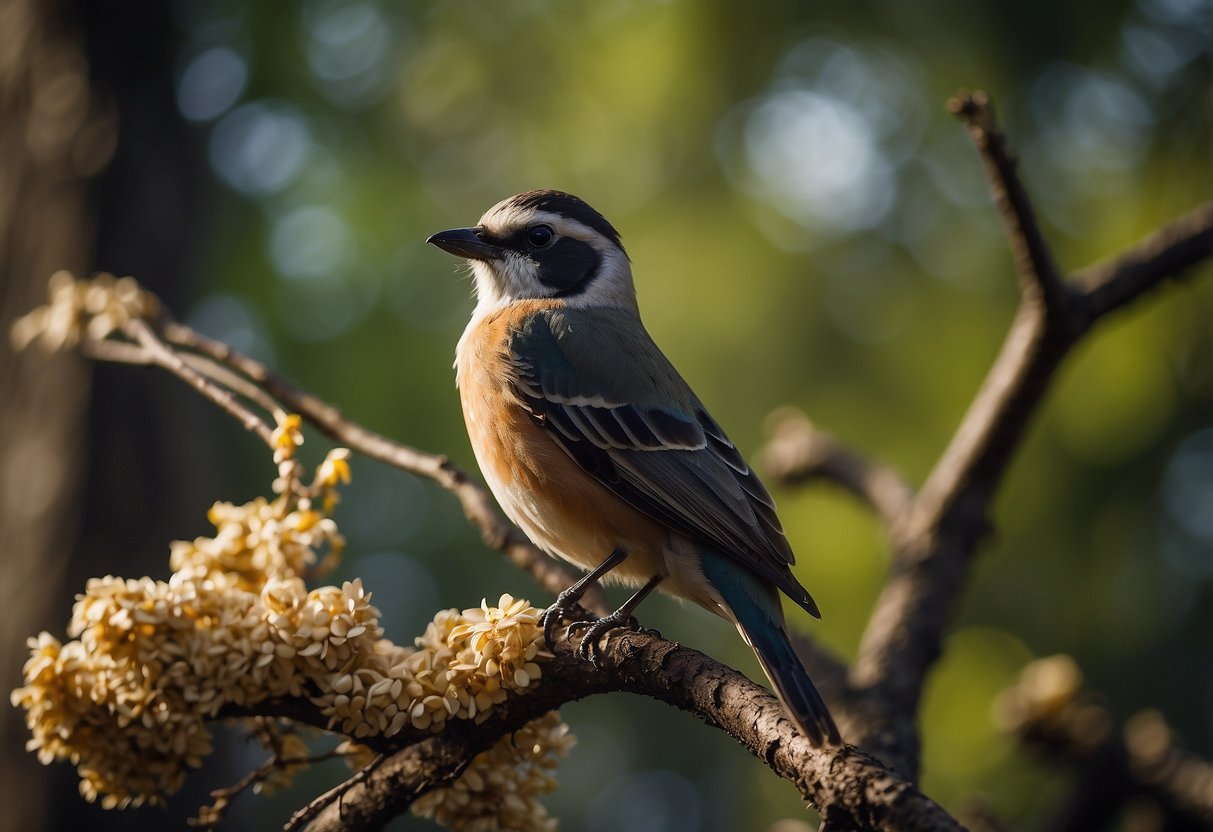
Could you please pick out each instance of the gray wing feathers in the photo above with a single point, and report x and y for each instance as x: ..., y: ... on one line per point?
x: 617, y: 406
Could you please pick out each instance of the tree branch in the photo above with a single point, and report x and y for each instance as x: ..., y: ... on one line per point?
x: 949, y: 516
x: 798, y: 451
x: 161, y: 355
x: 216, y: 371
x: 1038, y: 275
x: 934, y: 534
x: 1167, y: 254
x: 851, y: 788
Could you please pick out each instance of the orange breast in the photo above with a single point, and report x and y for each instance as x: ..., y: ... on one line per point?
x: 561, y: 508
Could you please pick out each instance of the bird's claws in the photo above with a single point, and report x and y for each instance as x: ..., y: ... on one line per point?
x: 595, y: 630
x: 550, y: 618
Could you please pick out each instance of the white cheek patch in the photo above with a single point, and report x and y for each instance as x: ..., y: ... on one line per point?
x: 502, y: 281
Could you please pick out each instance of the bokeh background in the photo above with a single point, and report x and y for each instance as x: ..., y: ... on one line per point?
x: 808, y: 226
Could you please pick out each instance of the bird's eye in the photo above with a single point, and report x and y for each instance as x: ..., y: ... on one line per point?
x: 540, y: 236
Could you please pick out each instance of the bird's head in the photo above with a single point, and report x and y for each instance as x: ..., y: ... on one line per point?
x: 544, y: 244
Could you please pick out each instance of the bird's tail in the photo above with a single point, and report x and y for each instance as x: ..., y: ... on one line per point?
x: 755, y: 609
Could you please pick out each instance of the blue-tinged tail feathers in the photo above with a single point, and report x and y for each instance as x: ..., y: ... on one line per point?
x: 755, y: 609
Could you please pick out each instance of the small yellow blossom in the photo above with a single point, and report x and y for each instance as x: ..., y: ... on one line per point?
x: 287, y: 436
x: 335, y: 469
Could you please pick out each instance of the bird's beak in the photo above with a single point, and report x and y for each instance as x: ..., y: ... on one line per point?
x: 464, y: 242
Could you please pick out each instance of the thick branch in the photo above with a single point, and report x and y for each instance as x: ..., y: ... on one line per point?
x: 949, y: 516
x: 852, y: 789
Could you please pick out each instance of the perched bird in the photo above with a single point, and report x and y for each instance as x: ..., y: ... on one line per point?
x: 595, y: 446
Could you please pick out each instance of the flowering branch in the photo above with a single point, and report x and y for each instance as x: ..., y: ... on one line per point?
x: 478, y: 506
x: 235, y: 633
x: 842, y: 781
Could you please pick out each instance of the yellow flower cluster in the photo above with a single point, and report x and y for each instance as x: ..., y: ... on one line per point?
x: 266, y: 539
x: 500, y: 790
x: 466, y: 662
x: 127, y: 701
x: 463, y: 664
x: 256, y: 540
x: 79, y: 309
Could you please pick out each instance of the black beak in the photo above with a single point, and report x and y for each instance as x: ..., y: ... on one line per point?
x: 464, y: 242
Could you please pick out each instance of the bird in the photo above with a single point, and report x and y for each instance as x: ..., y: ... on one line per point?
x: 597, y: 448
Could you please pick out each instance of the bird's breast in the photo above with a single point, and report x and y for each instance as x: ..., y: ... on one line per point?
x: 564, y: 510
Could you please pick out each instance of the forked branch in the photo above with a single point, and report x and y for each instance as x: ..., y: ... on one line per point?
x: 949, y: 516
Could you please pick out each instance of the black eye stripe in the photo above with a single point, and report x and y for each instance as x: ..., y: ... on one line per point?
x: 567, y: 265
x: 515, y: 240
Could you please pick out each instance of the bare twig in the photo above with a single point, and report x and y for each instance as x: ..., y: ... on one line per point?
x: 304, y: 818
x: 1040, y: 335
x: 211, y: 816
x: 1167, y: 254
x: 233, y: 381
x: 798, y: 451
x: 115, y: 352
x: 1038, y: 275
x: 162, y: 355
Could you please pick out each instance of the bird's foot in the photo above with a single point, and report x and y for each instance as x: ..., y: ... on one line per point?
x: 595, y: 630
x: 550, y: 618
x: 566, y: 602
